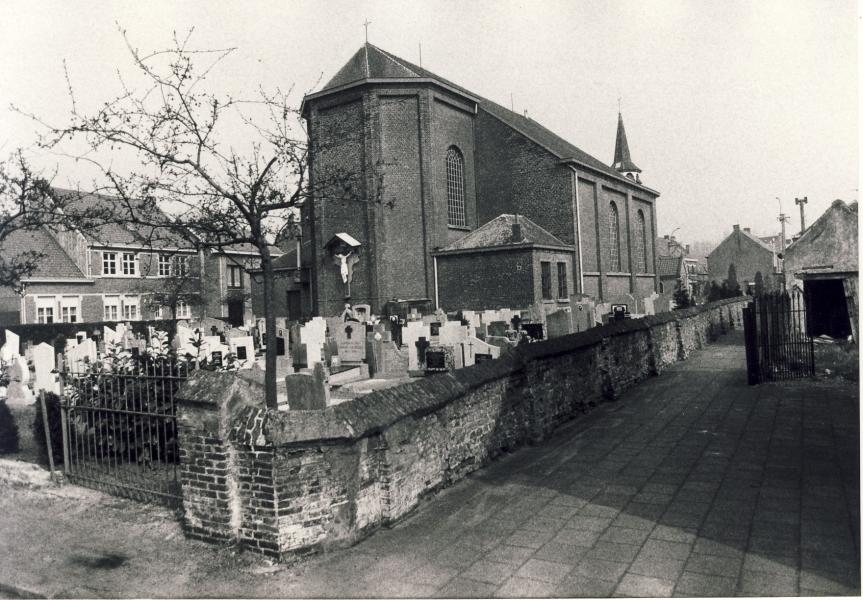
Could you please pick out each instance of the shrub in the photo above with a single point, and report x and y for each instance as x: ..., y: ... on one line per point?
x: 8, y: 430
x: 52, y: 405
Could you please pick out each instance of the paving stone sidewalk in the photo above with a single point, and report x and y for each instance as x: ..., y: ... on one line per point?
x: 691, y: 484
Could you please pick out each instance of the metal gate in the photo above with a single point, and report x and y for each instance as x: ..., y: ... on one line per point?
x: 120, y: 429
x: 778, y: 345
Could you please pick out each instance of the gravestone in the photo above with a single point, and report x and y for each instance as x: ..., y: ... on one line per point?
x: 44, y: 363
x: 434, y: 328
x: 497, y: 328
x: 313, y: 335
x: 213, y: 344
x: 308, y: 391
x: 244, y: 349
x: 533, y: 330
x: 363, y: 312
x: 216, y: 358
x: 11, y: 347
x: 481, y: 357
x: 559, y: 323
x: 439, y: 359
x: 411, y: 333
x: 422, y: 346
x: 18, y: 392
x: 80, y: 355
x: 582, y: 316
x: 473, y: 319
x: 351, y: 342
x: 473, y: 346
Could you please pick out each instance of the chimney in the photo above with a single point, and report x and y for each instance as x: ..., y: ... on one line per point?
x: 737, y: 228
x: 516, y: 232
x: 687, y: 249
x: 747, y: 229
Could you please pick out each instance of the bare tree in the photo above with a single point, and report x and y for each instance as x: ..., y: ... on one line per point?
x: 218, y: 196
x: 28, y: 202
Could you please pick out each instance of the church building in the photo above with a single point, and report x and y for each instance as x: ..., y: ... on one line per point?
x: 408, y: 168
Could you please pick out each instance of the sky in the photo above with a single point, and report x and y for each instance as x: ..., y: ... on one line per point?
x: 727, y: 105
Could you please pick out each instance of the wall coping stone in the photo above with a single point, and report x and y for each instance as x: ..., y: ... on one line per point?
x: 373, y: 413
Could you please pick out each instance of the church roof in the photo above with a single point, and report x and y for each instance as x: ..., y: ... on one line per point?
x: 498, y: 233
x: 622, y: 160
x: 371, y: 62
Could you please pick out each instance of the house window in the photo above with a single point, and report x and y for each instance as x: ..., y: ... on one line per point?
x: 183, y: 310
x: 111, y: 307
x: 164, y: 265
x: 641, y: 241
x: 45, y: 309
x: 109, y: 263
x: 181, y: 266
x: 562, y: 290
x: 455, y: 188
x: 235, y: 276
x: 69, y: 309
x: 129, y: 263
x: 545, y: 268
x: 131, y: 310
x: 614, y: 237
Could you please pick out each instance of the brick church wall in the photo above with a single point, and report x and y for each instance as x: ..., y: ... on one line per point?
x: 341, y: 129
x: 515, y: 174
x: 486, y: 281
x: 287, y: 483
x: 401, y: 244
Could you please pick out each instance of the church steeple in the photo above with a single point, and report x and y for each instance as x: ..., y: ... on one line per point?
x: 622, y: 162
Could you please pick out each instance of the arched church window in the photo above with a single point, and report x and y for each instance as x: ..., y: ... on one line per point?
x: 455, y: 188
x: 614, y: 237
x: 641, y: 241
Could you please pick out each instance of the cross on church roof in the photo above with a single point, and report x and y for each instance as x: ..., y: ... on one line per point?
x: 366, y: 24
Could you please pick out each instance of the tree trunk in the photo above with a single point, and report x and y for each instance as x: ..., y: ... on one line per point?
x: 270, y: 324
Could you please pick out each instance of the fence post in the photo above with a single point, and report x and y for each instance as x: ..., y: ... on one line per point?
x: 749, y: 334
x: 207, y: 404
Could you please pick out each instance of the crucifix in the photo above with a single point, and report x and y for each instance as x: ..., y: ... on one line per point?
x: 422, y: 345
x: 366, y: 24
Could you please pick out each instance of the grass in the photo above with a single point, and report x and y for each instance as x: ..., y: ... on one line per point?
x: 839, y: 359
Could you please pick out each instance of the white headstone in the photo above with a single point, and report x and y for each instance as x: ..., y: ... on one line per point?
x: 43, y: 366
x: 12, y: 347
x: 473, y: 346
x: 78, y: 357
x: 314, y: 334
x: 411, y: 333
x: 244, y: 349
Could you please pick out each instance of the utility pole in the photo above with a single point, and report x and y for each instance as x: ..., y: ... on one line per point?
x: 800, y: 202
x: 783, y: 218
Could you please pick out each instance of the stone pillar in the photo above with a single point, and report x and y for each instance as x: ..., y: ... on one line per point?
x: 207, y: 404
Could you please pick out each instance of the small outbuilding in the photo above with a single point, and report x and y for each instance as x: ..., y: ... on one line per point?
x: 823, y: 262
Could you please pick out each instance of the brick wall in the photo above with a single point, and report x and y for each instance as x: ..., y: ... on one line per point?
x: 284, y: 483
x: 486, y: 281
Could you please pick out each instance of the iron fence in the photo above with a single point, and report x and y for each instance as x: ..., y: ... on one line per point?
x: 778, y: 345
x: 120, y: 428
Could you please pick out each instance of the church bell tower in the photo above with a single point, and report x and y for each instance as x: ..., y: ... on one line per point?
x: 622, y: 161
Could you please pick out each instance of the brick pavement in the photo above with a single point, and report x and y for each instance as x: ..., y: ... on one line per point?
x: 691, y: 484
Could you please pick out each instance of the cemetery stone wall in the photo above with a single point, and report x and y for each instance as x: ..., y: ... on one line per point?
x: 287, y: 483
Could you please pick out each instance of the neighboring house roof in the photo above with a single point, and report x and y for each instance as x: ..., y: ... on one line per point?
x: 746, y: 234
x: 54, y: 263
x: 622, y: 160
x: 371, y: 62
x: 499, y: 233
x: 668, y: 266
x: 121, y: 234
